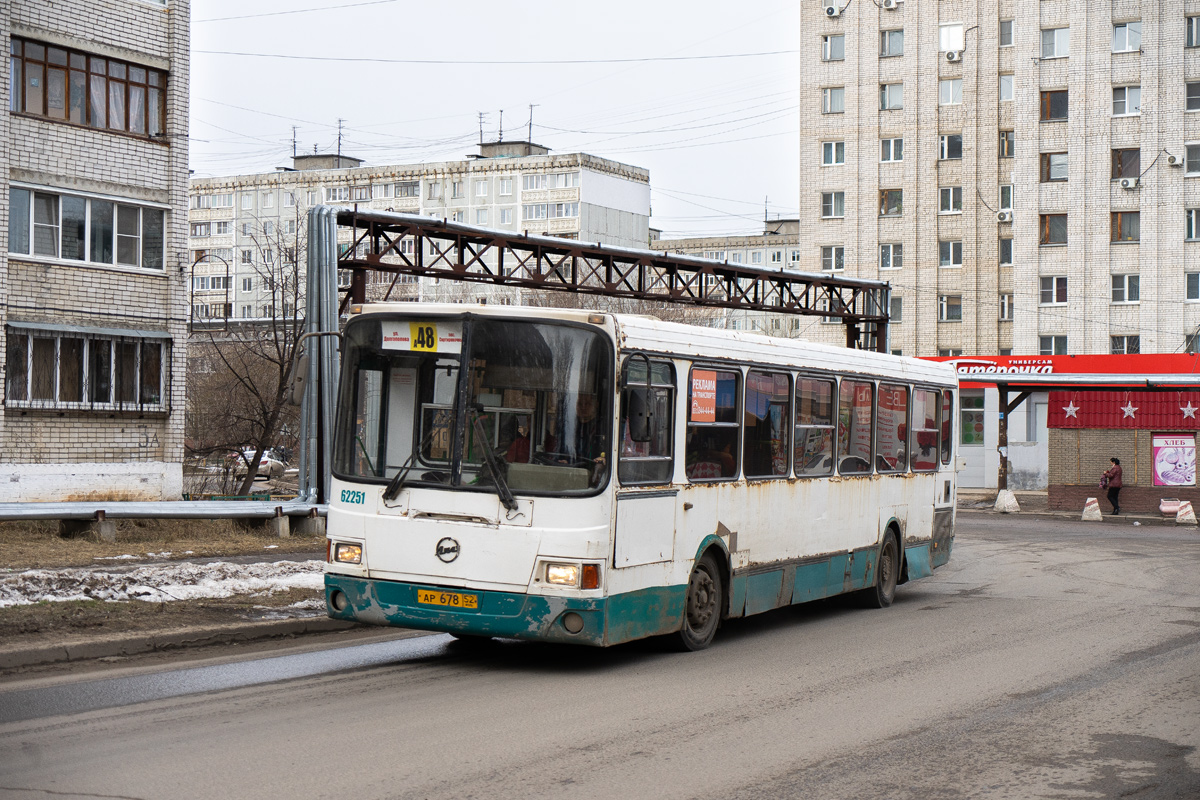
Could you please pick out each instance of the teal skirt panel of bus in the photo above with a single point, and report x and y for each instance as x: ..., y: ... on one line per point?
x: 606, y: 620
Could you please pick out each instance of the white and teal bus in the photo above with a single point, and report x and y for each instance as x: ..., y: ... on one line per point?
x: 597, y: 478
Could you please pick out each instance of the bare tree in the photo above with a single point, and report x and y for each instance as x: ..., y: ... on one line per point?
x: 238, y: 368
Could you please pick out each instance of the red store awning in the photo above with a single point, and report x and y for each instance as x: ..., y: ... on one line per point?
x: 1170, y: 411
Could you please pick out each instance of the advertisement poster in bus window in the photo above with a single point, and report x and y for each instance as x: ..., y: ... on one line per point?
x: 925, y: 429
x: 1174, y: 459
x: 891, y: 424
x: 704, y: 395
x: 854, y: 423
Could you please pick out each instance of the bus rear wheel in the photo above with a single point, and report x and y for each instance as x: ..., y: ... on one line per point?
x: 702, y: 608
x: 887, y: 570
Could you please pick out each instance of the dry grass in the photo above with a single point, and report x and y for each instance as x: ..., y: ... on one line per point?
x: 37, y: 544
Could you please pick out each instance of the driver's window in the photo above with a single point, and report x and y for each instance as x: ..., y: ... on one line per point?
x: 651, y: 461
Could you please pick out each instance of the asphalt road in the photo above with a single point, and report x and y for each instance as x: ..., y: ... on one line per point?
x: 1049, y: 659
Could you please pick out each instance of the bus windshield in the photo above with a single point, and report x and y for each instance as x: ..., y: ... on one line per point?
x: 539, y: 395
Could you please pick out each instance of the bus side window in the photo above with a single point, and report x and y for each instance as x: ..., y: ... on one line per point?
x: 711, y: 451
x: 814, y: 427
x: 652, y: 461
x: 856, y: 404
x: 923, y: 441
x: 947, y: 424
x: 891, y: 435
x: 767, y: 416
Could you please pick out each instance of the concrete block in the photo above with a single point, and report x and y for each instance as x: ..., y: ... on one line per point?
x: 280, y: 526
x: 309, y: 526
x: 106, y: 529
x: 1006, y: 502
x: 1185, y: 515
x: 1091, y: 511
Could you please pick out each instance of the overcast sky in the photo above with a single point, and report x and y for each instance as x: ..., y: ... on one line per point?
x: 650, y: 86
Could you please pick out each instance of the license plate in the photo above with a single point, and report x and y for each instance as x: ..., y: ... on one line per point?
x: 452, y: 599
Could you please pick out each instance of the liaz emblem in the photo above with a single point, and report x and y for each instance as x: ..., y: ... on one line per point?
x: 447, y: 549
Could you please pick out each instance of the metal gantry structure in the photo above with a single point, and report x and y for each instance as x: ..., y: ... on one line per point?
x: 398, y: 244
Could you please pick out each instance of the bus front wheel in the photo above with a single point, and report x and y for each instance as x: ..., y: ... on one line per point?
x: 887, y: 570
x: 702, y: 609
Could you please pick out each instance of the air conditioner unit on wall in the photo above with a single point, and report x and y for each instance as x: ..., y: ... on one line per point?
x: 1004, y: 216
x: 1129, y: 183
x: 833, y: 11
x: 1174, y: 161
x: 890, y: 5
x: 954, y: 55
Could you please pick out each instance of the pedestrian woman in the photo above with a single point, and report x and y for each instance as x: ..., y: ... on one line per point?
x: 1112, y: 479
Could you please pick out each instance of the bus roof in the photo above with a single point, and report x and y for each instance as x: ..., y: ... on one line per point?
x: 654, y: 336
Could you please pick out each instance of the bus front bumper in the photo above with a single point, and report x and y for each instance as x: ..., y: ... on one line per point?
x: 505, y: 614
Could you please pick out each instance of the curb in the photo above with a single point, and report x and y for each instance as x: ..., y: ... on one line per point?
x: 169, y: 640
x: 1074, y: 516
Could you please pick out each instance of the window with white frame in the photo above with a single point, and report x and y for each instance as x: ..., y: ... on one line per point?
x: 1192, y: 35
x: 1006, y: 33
x: 222, y: 228
x: 314, y: 197
x: 268, y: 228
x: 360, y: 194
x: 833, y: 100
x: 891, y: 150
x: 950, y: 92
x: 1193, y: 285
x: 833, y: 47
x: 756, y: 257
x: 1006, y: 88
x: 950, y: 352
x: 337, y: 194
x: 458, y: 216
x: 833, y: 153
x: 408, y: 189
x: 896, y: 309
x: 247, y: 201
x: 1126, y: 345
x: 92, y: 230
x: 247, y: 284
x: 950, y: 146
x: 481, y: 216
x: 1192, y: 229
x: 950, y: 254
x: 1052, y: 345
x: 1056, y: 42
x: 833, y: 259
x: 1006, y: 197
x: 506, y: 187
x: 776, y: 256
x: 1006, y: 308
x: 247, y: 256
x: 457, y: 189
x: 891, y: 256
x: 735, y: 256
x: 1126, y: 289
x: 891, y: 96
x: 1192, y: 160
x: 434, y: 190
x: 289, y: 227
x: 891, y: 43
x: 1127, y: 37
x: 481, y: 187
x: 1053, y: 290
x: 289, y: 199
x: 1193, y: 95
x: 1008, y: 144
x: 1006, y: 251
x: 268, y: 200
x: 950, y: 308
x: 247, y: 312
x: 506, y: 216
x: 950, y: 36
x: 47, y: 368
x: 1127, y: 100
x: 794, y: 257
x: 950, y: 200
x: 247, y: 229
x: 833, y: 205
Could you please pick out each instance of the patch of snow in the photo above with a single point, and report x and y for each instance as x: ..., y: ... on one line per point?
x: 160, y: 582
x: 270, y: 547
x: 314, y: 603
x: 163, y: 554
x: 115, y: 558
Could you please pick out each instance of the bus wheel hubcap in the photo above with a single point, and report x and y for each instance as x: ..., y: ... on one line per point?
x: 701, y: 599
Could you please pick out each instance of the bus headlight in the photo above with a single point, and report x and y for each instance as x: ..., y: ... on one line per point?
x: 347, y: 553
x: 562, y: 574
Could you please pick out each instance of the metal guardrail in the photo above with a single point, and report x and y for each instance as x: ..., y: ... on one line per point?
x: 168, y: 509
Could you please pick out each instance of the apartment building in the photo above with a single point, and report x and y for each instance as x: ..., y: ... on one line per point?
x: 247, y: 229
x: 93, y: 294
x: 1025, y: 173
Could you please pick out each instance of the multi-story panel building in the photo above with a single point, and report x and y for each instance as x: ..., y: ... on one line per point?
x: 246, y: 227
x: 1025, y: 173
x: 93, y: 288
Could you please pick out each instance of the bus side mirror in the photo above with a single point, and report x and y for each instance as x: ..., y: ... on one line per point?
x: 639, y: 413
x: 298, y: 380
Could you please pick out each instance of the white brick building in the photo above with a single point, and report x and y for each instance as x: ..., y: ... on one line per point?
x: 244, y: 228
x: 1025, y: 173
x: 92, y: 285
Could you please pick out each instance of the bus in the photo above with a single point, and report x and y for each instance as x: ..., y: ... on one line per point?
x: 595, y: 478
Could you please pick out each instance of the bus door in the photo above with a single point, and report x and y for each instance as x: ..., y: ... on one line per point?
x: 945, y: 489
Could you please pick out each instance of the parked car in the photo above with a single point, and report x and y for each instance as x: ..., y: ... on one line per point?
x: 268, y: 466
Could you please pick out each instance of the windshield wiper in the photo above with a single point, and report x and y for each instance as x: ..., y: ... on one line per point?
x: 397, y: 482
x: 489, y: 457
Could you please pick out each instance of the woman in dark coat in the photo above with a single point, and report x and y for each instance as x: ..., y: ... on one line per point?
x: 1113, y: 482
